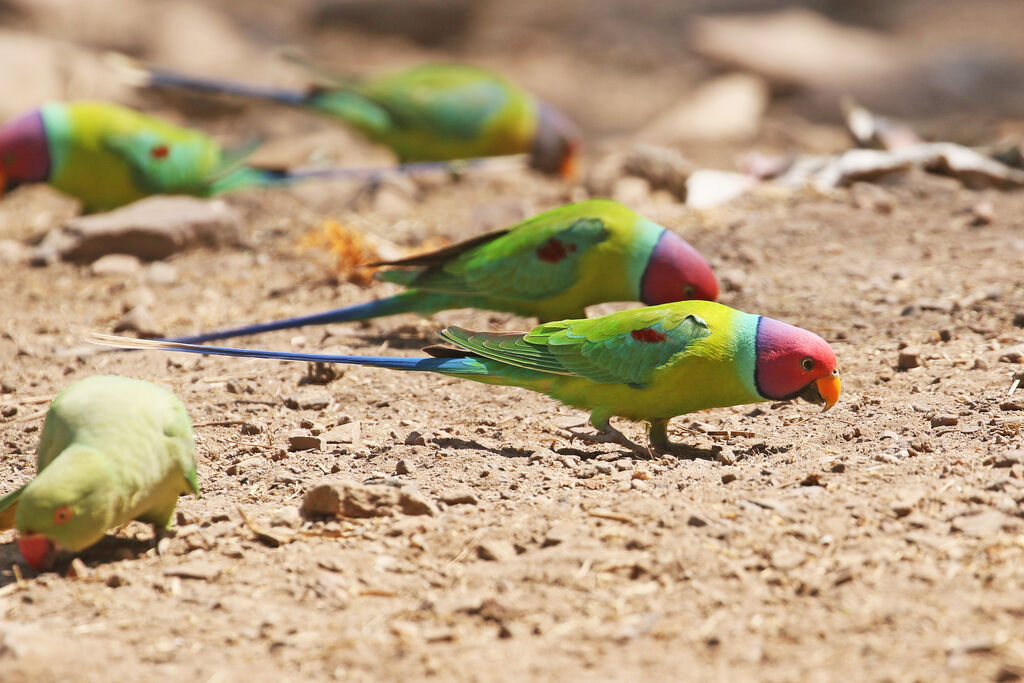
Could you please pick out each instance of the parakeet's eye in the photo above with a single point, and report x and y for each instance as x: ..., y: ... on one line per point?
x: 62, y: 514
x: 689, y: 291
x: 807, y: 363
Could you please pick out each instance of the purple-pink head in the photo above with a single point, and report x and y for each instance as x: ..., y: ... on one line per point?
x: 557, y: 143
x: 24, y: 152
x: 794, y: 363
x: 675, y: 272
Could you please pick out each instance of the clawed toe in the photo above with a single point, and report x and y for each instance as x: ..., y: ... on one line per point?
x: 609, y: 435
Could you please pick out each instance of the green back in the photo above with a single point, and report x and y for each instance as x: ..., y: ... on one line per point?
x: 641, y: 364
x: 551, y: 266
x: 437, y: 111
x: 107, y: 155
x: 113, y: 449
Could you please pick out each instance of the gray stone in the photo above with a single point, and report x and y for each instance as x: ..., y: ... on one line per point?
x: 160, y: 273
x: 304, y: 441
x: 140, y: 321
x: 347, y: 433
x: 347, y: 499
x: 945, y: 420
x: 150, y: 229
x: 459, y: 497
x: 116, y: 265
x: 413, y: 502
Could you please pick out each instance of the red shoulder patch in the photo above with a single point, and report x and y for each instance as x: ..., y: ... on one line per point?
x: 553, y: 251
x: 160, y: 152
x: 647, y: 336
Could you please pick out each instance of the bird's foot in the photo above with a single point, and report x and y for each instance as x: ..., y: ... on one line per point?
x: 657, y: 432
x: 162, y: 536
x: 608, y: 435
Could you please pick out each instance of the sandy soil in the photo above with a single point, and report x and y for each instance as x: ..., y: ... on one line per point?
x: 883, y: 540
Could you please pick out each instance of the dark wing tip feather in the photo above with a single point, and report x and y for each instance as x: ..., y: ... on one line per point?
x: 442, y: 256
x: 438, y: 351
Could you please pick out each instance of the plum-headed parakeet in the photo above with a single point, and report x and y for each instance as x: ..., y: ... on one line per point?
x: 112, y: 449
x: 551, y: 267
x: 107, y: 155
x: 646, y: 364
x: 429, y: 112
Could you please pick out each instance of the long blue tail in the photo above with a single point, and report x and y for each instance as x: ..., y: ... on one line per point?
x: 469, y: 365
x: 172, y: 80
x: 251, y: 176
x: 406, y: 302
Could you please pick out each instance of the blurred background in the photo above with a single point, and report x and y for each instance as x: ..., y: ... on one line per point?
x: 709, y: 77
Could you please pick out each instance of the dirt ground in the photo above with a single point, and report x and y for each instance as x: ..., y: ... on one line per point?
x: 883, y: 540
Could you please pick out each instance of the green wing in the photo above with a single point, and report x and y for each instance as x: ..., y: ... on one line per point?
x: 535, y: 260
x: 162, y: 163
x: 454, y: 102
x: 623, y: 348
x: 181, y: 441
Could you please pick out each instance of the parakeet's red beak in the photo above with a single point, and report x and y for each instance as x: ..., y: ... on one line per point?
x: 829, y: 388
x: 37, y: 550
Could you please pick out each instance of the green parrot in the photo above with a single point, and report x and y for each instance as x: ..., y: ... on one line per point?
x: 646, y: 364
x: 107, y: 156
x: 429, y: 112
x: 112, y: 449
x: 551, y: 266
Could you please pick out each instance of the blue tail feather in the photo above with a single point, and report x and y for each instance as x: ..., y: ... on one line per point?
x: 159, y: 78
x: 469, y: 365
x: 255, y: 176
x: 400, y: 303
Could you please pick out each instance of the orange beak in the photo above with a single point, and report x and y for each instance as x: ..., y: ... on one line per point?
x: 569, y: 169
x: 829, y: 388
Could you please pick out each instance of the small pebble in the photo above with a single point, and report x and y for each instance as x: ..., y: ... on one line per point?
x: 304, y: 441
x: 982, y: 213
x: 1013, y: 355
x: 697, y: 520
x: 495, y: 550
x: 115, y: 265
x: 945, y: 420
x: 909, y: 357
x: 160, y: 273
x: 415, y: 438
x: 77, y: 569
x: 459, y: 497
